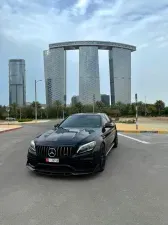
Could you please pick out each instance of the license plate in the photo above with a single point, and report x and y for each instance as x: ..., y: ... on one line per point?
x: 52, y: 160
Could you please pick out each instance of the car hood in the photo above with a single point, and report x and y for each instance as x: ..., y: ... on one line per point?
x: 67, y: 136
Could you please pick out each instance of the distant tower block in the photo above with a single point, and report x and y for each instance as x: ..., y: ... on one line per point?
x: 89, y: 82
x: 17, y: 82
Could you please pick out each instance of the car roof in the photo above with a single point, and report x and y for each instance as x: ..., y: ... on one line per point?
x: 88, y: 114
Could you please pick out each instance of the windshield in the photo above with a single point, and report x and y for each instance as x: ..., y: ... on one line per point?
x: 92, y: 121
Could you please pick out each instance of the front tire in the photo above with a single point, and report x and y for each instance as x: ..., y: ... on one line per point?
x: 102, y: 158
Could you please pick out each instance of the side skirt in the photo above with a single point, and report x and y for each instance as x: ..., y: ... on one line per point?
x: 109, y: 149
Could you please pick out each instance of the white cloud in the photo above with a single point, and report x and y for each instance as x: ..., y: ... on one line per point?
x: 163, y: 44
x: 29, y: 24
x: 145, y: 45
x: 81, y: 6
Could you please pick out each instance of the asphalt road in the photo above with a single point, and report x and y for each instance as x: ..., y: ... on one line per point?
x: 133, y: 189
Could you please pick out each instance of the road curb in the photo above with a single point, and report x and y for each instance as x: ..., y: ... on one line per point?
x: 24, y: 123
x: 4, y: 131
x: 144, y: 131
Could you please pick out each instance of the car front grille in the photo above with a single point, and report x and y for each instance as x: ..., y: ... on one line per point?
x: 61, y: 151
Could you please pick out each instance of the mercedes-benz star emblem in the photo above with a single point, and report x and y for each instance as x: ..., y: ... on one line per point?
x: 51, y: 152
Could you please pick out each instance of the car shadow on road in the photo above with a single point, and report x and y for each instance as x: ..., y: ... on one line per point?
x: 65, y: 177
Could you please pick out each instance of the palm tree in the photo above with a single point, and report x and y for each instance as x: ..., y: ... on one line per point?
x: 38, y: 105
x: 79, y: 107
x: 14, y: 108
x: 100, y: 105
x: 58, y: 105
x: 160, y: 105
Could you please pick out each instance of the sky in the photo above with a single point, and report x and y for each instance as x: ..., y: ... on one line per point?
x: 27, y: 27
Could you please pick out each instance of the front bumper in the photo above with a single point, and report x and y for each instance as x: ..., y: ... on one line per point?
x: 87, y: 163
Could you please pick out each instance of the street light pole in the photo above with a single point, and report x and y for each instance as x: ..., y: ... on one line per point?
x: 136, y: 102
x: 35, y: 101
x: 63, y: 114
x: 8, y: 110
x: 145, y: 106
x: 35, y: 86
x: 93, y: 103
x: 20, y: 113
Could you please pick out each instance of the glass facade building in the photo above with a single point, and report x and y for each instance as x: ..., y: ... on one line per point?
x: 17, y: 82
x: 74, y: 100
x: 105, y: 99
x: 55, y: 75
x: 89, y: 81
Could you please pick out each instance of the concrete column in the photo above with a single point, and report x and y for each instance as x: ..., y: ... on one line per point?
x: 89, y: 81
x: 120, y: 75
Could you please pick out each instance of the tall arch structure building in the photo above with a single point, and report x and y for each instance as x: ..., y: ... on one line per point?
x: 89, y: 81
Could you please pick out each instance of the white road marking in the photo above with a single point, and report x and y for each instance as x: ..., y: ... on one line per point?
x: 134, y: 139
x: 43, y: 121
x: 164, y: 143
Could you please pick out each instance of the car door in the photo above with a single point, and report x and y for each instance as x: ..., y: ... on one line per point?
x: 107, y: 134
x: 113, y: 129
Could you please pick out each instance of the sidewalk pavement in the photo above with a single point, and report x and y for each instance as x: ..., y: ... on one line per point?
x: 7, y: 128
x: 143, y: 128
x: 17, y: 123
x: 34, y: 122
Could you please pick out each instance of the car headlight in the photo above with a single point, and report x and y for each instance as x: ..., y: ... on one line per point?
x: 32, y: 148
x: 86, y: 147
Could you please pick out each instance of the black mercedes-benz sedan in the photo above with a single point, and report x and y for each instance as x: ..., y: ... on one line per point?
x: 78, y: 145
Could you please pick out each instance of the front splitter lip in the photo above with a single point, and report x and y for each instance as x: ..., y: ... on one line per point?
x: 45, y: 172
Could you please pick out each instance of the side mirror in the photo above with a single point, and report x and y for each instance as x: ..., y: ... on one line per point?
x: 56, y: 125
x: 109, y: 125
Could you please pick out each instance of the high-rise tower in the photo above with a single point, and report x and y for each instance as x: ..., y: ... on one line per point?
x: 55, y: 75
x: 17, y: 82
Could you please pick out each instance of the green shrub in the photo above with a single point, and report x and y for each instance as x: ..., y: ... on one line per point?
x: 127, y: 121
x: 24, y: 120
x: 117, y: 119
